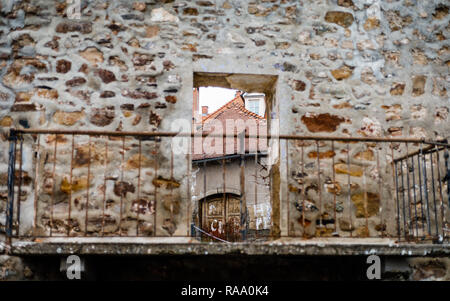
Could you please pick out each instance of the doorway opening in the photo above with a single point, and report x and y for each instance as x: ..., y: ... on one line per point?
x: 231, y: 185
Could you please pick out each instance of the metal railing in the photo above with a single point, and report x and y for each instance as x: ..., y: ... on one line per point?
x: 80, y: 151
x: 422, y: 206
x: 108, y: 184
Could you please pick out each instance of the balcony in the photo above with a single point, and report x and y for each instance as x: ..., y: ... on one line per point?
x: 90, y: 192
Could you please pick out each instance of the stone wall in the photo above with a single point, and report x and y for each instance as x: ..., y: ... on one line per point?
x: 343, y: 67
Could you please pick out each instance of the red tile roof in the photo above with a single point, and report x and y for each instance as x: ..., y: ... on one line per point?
x: 237, y: 102
x: 232, y: 110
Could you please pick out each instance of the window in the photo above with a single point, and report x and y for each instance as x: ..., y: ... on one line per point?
x: 253, y: 106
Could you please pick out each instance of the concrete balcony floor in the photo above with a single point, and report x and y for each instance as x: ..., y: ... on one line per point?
x: 190, y: 246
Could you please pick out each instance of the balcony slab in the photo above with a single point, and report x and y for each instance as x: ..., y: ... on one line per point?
x: 188, y: 246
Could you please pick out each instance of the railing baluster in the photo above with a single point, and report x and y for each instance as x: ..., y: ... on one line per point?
x: 87, y: 190
x: 303, y: 189
x: 334, y: 186
x: 11, y: 179
x: 104, y: 185
x: 366, y: 213
x: 19, y: 188
x: 447, y: 170
x: 256, y: 187
x: 242, y: 177
x: 36, y: 182
x: 441, y: 197
x: 188, y: 192
x: 224, y: 187
x: 156, y: 150
x: 414, y: 196
x: 411, y: 231
x: 447, y: 167
x: 380, y: 191
x: 287, y: 188
x: 203, y: 205
x: 403, y: 200
x: 171, y: 179
x: 15, y: 184
x: 397, y: 199
x: 53, y: 185
x: 426, y: 189
x: 349, y: 197
x: 69, y: 221
x: 138, y: 186
x: 319, y: 186
x: 434, y: 195
x: 422, y: 215
x: 121, y: 182
x: 396, y: 196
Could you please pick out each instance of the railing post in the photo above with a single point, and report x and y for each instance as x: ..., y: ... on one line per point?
x: 11, y: 177
x: 395, y: 174
x: 447, y: 177
x: 243, y: 203
x: 19, y: 185
x: 425, y: 188
x: 275, y: 231
x: 447, y: 168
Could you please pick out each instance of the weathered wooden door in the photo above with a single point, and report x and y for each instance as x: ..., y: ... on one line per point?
x: 233, y: 218
x: 221, y: 218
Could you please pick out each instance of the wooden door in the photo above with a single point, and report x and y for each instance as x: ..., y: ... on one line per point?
x: 221, y: 218
x: 233, y: 218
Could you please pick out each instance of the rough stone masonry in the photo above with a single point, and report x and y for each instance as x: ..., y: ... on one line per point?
x: 346, y: 68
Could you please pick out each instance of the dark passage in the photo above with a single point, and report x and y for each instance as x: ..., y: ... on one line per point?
x: 202, y: 268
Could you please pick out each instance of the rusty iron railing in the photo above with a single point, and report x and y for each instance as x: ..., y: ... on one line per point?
x: 412, y: 183
x: 420, y: 177
x: 121, y: 141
